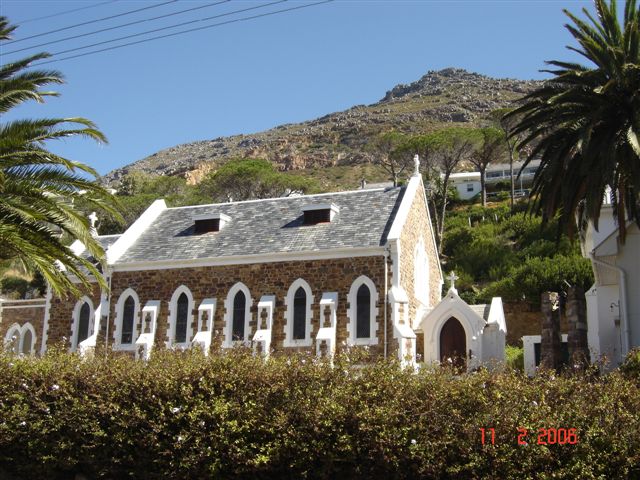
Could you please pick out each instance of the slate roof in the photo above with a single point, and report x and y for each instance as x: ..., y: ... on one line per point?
x: 482, y: 310
x: 106, y: 241
x: 269, y: 226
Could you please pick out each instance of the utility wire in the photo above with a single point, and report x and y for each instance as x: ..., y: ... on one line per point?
x: 91, y: 21
x: 187, y: 31
x: 117, y: 26
x: 64, y: 12
x: 133, y: 35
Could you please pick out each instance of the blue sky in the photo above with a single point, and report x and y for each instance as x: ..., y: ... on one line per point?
x: 253, y: 75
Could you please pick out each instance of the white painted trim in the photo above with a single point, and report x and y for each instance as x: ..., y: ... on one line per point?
x: 405, y: 208
x: 288, y: 315
x: 248, y: 259
x: 45, y: 323
x: 18, y: 307
x: 144, y: 342
x: 118, y: 321
x: 348, y: 192
x: 352, y: 312
x: 228, y: 315
x: 203, y: 337
x: 263, y: 334
x: 132, y: 233
x: 75, y: 321
x: 173, y: 314
x: 211, y: 216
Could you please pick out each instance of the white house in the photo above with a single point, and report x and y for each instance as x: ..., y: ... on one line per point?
x: 613, y: 302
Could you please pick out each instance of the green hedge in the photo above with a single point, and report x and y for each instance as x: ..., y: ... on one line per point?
x: 234, y: 416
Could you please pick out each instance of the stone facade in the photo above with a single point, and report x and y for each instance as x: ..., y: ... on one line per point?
x: 59, y: 325
x: 332, y: 275
x: 22, y: 312
x: 418, y: 229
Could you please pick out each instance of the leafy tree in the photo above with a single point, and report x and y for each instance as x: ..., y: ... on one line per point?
x: 489, y: 148
x: 38, y: 188
x: 443, y: 150
x: 584, y: 123
x: 506, y: 123
x: 250, y: 178
x: 392, y: 154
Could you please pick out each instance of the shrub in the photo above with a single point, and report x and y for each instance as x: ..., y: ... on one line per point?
x: 514, y: 357
x: 631, y: 365
x: 14, y: 287
x: 183, y: 415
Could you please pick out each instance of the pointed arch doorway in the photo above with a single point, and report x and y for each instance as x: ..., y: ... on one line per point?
x: 453, y: 343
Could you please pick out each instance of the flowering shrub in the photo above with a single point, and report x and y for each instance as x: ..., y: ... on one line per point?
x: 183, y: 415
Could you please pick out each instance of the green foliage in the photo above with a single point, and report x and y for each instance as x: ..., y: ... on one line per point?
x: 14, y: 287
x: 537, y: 275
x: 510, y: 256
x: 631, y: 365
x: 584, y: 122
x: 183, y: 415
x: 38, y: 188
x: 514, y: 357
x: 250, y: 178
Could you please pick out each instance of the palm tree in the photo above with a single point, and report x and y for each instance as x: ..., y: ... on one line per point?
x: 584, y: 123
x: 38, y: 188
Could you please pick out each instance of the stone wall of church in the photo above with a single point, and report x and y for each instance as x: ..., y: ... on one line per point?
x: 417, y: 226
x: 331, y: 275
x: 61, y: 316
x: 27, y: 312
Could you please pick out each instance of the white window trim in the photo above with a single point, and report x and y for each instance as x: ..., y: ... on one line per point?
x: 228, y: 315
x: 351, y: 312
x: 173, y: 314
x: 75, y: 324
x: 420, y: 260
x: 19, y: 332
x: 136, y: 319
x: 288, y: 315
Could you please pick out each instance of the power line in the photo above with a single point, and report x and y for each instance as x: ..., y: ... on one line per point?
x: 117, y: 26
x: 22, y: 22
x: 133, y: 35
x: 90, y: 22
x: 187, y: 31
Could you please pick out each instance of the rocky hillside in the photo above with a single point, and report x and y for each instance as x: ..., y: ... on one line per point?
x: 450, y: 96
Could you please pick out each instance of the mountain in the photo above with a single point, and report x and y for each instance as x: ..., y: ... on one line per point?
x: 439, y: 98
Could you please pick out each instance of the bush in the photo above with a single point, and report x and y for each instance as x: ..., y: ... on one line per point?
x: 514, y: 357
x: 14, y: 287
x: 183, y: 415
x: 631, y: 365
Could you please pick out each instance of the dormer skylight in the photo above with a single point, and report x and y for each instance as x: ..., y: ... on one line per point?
x: 210, y: 222
x: 319, y: 213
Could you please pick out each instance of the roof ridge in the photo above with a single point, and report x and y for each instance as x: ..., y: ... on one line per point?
x: 284, y: 198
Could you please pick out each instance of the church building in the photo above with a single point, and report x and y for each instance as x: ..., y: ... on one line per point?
x: 313, y: 273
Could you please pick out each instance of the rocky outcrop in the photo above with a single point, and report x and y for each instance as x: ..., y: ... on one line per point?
x: 449, y: 96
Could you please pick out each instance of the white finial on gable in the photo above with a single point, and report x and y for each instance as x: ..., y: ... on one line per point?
x: 452, y: 279
x: 416, y: 164
x: 93, y: 218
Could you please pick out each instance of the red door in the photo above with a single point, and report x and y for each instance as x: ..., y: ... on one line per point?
x: 453, y: 344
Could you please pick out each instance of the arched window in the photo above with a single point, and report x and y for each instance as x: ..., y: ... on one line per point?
x: 12, y: 339
x: 27, y: 342
x: 299, y: 314
x: 128, y: 317
x: 239, y: 306
x: 20, y: 339
x: 363, y: 312
x: 83, y: 326
x: 181, y: 318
